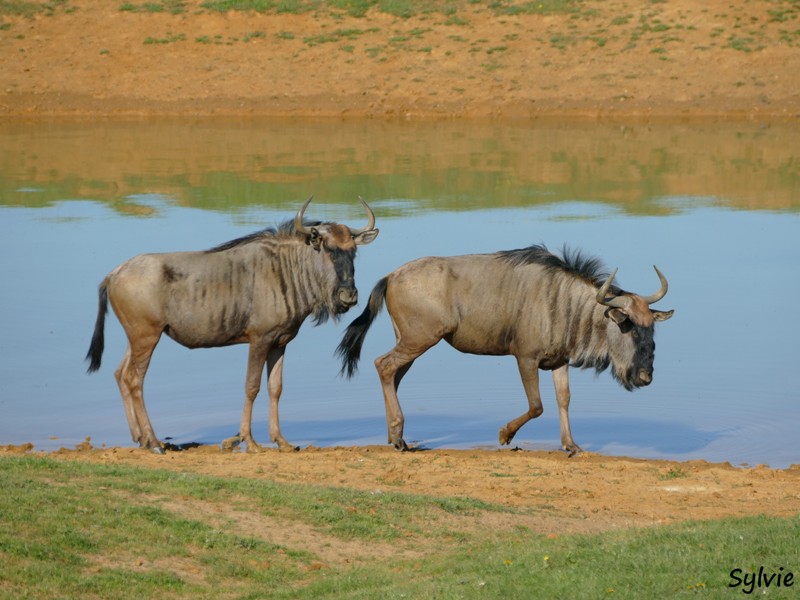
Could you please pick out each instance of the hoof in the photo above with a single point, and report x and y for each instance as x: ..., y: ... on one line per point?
x: 157, y: 450
x: 251, y: 447
x: 400, y: 445
x: 286, y: 447
x: 573, y: 451
x: 504, y: 437
x: 230, y: 443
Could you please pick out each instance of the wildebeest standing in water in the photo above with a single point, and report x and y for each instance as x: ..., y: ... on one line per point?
x: 257, y: 289
x: 549, y: 312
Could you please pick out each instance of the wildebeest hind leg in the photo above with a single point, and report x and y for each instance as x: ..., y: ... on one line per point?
x: 561, y: 382
x: 529, y: 372
x: 127, y: 400
x: 130, y: 378
x: 391, y: 367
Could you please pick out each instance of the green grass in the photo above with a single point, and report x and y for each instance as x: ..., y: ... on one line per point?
x: 355, y: 8
x: 216, y: 40
x: 673, y: 473
x: 170, y: 38
x: 77, y: 530
x: 337, y: 35
x: 254, y: 35
x: 663, y: 562
x: 244, y: 5
x: 561, y: 41
x: 742, y: 44
x: 650, y: 26
x: 29, y: 8
x: 72, y: 529
x: 512, y: 7
x: 173, y: 7
x: 400, y: 8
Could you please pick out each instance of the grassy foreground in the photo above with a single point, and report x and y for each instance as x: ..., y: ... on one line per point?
x: 80, y: 530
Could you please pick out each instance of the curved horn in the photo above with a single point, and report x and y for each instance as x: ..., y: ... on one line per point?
x: 617, y: 301
x: 298, y: 218
x: 370, y: 225
x: 660, y: 293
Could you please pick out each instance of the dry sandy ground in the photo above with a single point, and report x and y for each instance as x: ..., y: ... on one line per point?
x: 606, y: 58
x: 611, y: 58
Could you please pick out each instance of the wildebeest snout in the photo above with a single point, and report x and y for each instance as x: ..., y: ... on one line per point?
x: 348, y: 296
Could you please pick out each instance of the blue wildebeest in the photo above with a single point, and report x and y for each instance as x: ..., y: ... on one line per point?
x: 549, y: 312
x: 257, y: 289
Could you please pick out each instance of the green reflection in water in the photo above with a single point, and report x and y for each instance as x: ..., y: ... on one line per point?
x: 232, y: 165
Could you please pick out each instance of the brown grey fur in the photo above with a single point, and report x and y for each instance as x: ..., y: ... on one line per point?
x: 256, y: 290
x: 529, y: 303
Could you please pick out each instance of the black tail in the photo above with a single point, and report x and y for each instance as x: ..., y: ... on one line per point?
x: 95, y: 352
x: 350, y: 347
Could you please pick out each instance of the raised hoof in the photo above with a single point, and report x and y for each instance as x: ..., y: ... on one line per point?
x: 230, y: 443
x: 504, y: 437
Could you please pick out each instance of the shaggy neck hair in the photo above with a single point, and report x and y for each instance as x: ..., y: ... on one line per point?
x: 574, y: 262
x: 283, y: 231
x: 305, y: 283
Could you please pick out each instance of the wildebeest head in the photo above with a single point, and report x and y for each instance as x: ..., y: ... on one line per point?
x: 630, y: 337
x: 336, y: 244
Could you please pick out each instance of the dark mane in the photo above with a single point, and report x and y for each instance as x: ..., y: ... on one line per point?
x: 588, y: 268
x: 284, y: 230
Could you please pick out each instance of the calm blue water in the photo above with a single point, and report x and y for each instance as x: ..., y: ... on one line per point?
x: 725, y: 387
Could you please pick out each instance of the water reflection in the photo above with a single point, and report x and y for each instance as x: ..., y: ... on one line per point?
x: 230, y: 165
x: 724, y: 380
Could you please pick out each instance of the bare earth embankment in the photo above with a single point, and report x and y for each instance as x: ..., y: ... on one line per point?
x: 511, y: 59
x: 586, y: 493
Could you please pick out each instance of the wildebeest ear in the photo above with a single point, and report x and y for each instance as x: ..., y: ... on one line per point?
x: 662, y: 315
x: 362, y: 239
x: 315, y: 239
x: 617, y: 315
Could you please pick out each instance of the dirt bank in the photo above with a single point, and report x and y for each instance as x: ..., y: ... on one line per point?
x: 585, y: 493
x: 511, y: 59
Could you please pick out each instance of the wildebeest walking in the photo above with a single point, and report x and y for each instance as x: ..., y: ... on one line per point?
x: 550, y: 312
x: 257, y: 289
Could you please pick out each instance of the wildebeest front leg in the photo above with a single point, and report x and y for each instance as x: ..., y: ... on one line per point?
x: 256, y: 358
x: 529, y: 372
x: 561, y: 382
x: 275, y: 387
